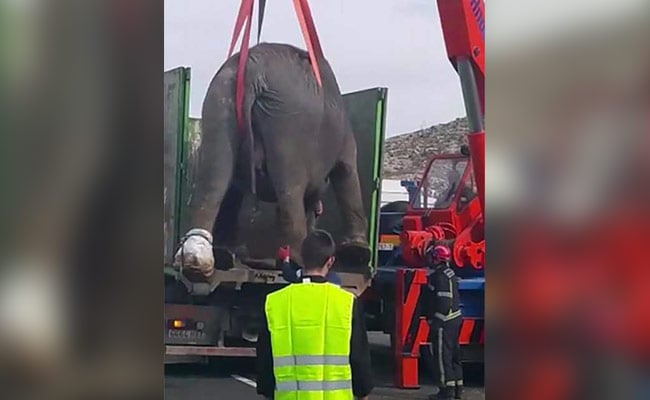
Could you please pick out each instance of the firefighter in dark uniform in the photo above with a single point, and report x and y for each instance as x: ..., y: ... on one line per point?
x: 444, y: 316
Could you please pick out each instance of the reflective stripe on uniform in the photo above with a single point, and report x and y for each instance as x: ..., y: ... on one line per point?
x: 289, y: 386
x: 451, y: 383
x: 286, y: 361
x: 446, y: 294
x: 441, y: 364
x: 447, y: 317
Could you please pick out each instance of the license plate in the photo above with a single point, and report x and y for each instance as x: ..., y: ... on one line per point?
x: 185, y: 334
x: 385, y: 246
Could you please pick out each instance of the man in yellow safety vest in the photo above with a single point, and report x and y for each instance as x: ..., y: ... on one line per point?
x: 314, y: 345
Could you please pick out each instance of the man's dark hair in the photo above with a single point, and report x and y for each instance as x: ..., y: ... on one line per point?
x: 317, y: 247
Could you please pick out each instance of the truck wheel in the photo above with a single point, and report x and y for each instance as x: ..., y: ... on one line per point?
x: 395, y: 206
x: 390, y: 216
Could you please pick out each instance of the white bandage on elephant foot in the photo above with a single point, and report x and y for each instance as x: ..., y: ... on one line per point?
x: 195, y: 253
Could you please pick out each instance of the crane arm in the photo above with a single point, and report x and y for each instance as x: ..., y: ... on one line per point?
x: 463, y: 28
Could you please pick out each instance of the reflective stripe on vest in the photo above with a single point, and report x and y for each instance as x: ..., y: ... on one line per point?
x: 310, y: 360
x: 311, y: 326
x: 310, y: 386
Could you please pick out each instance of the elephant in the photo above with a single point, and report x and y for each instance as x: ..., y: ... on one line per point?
x: 297, y: 140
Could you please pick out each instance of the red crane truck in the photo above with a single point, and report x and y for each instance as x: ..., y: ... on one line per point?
x: 446, y: 207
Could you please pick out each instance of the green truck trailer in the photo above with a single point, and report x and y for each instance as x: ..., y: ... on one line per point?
x: 221, y: 316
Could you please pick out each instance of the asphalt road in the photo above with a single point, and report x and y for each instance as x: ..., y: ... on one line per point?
x: 235, y: 379
x: 200, y: 382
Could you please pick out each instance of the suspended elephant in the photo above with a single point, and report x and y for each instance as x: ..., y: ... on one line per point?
x: 297, y: 139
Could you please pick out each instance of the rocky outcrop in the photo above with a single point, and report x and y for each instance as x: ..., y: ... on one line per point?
x: 406, y: 155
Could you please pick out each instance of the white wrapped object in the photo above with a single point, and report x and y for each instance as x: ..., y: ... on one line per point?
x: 196, y: 252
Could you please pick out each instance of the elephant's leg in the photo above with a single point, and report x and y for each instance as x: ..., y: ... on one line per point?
x: 353, y: 252
x: 292, y: 221
x: 348, y: 195
x: 214, y: 174
x: 289, y: 183
x: 224, y: 231
x: 215, y: 167
x: 312, y: 211
x: 345, y: 182
x: 217, y: 153
x: 310, y: 218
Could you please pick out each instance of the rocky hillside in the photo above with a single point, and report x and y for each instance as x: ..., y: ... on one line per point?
x: 405, y: 155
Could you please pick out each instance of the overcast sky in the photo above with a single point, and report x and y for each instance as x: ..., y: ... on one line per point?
x: 396, y: 44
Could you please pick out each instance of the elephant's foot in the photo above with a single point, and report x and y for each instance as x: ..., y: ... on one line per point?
x: 195, y: 256
x: 353, y: 254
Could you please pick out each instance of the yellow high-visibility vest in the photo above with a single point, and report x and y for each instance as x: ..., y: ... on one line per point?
x: 311, y: 326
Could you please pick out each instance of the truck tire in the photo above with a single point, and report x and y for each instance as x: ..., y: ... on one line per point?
x: 395, y: 206
x: 390, y: 216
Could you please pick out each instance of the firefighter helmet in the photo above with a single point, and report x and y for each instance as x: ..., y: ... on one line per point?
x: 441, y: 253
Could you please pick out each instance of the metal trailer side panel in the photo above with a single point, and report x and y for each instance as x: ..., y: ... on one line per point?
x: 176, y: 89
x: 190, y: 162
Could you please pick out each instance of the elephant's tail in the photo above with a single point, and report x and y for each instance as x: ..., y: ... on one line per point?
x: 248, y: 137
x: 225, y: 82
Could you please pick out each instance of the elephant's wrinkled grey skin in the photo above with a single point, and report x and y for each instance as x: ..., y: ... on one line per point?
x: 301, y: 138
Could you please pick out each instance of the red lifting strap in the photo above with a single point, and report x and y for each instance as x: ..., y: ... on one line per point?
x: 309, y: 34
x: 245, y: 16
